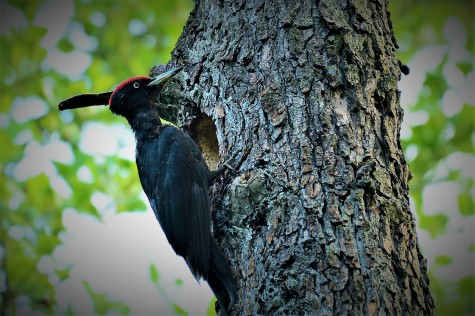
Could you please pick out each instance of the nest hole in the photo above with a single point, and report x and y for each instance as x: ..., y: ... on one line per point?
x: 203, y: 132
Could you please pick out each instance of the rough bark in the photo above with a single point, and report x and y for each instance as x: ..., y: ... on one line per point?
x: 317, y: 220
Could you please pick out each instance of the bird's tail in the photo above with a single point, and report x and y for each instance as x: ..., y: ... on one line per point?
x: 220, y: 279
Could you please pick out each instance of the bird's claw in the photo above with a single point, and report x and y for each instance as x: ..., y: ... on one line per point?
x: 227, y: 163
x: 222, y: 168
x: 228, y: 166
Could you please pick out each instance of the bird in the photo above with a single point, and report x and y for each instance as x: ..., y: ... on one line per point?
x: 174, y: 177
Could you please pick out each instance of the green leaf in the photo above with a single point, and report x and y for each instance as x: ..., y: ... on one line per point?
x: 63, y: 274
x: 131, y: 205
x: 454, y: 298
x: 178, y: 310
x: 443, y: 260
x: 437, y: 84
x: 465, y: 66
x: 29, y: 8
x: 464, y: 128
x: 102, y: 304
x: 24, y: 278
x: 65, y: 45
x: 153, y: 272
x: 46, y: 243
x: 211, y: 311
x: 465, y: 203
x: 434, y: 224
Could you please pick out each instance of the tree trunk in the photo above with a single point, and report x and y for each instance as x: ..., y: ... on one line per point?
x: 304, y: 93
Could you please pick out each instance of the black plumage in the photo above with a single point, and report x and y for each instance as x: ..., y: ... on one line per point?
x: 174, y: 177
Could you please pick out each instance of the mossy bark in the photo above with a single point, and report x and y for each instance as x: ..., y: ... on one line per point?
x: 304, y: 94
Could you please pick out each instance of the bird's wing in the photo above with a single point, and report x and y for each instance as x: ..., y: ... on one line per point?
x: 174, y: 177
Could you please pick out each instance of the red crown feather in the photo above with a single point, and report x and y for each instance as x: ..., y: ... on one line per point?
x: 124, y: 84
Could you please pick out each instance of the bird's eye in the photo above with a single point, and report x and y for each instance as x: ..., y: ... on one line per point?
x: 136, y: 85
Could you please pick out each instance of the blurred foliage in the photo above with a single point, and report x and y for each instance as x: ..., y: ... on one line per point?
x: 155, y: 278
x: 440, y: 149
x: 102, y: 304
x: 212, y: 307
x: 418, y: 24
x: 118, y: 39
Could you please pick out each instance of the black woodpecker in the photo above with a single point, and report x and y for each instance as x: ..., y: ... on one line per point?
x: 173, y: 175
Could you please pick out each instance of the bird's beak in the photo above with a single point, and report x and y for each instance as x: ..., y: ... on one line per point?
x: 164, y: 77
x: 83, y: 100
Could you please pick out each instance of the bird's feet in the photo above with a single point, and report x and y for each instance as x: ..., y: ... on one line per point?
x: 215, y: 174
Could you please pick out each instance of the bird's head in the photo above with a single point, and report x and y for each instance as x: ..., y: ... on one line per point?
x: 130, y: 95
x: 127, y: 98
